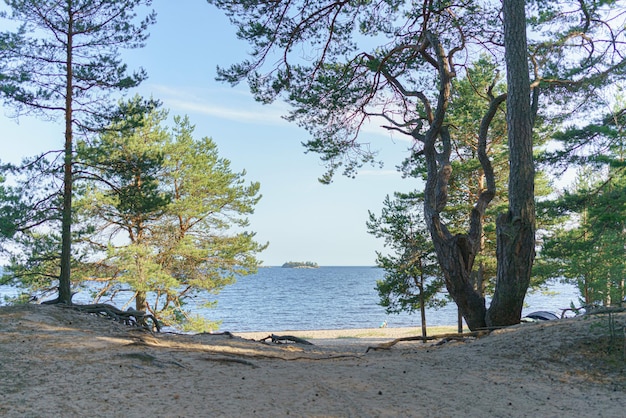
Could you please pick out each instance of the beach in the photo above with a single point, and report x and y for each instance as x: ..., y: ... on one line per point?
x: 347, y: 337
x: 385, y: 332
x: 59, y: 362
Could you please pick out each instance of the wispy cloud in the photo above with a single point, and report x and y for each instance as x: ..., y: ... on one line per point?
x: 241, y: 108
x: 237, y: 104
x: 257, y: 116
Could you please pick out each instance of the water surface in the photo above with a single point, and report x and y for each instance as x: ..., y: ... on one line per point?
x: 279, y: 299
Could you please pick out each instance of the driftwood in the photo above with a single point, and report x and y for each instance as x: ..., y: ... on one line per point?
x: 281, y: 339
x: 131, y: 317
x: 443, y: 337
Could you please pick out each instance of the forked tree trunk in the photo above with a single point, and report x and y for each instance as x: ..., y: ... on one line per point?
x: 516, y: 229
x: 456, y: 253
x: 456, y: 258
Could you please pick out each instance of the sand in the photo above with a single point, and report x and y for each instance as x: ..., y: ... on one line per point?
x: 58, y: 362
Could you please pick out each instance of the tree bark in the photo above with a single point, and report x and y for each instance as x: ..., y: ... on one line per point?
x: 516, y: 228
x: 420, y: 284
x: 141, y: 302
x: 456, y: 253
x: 65, y: 295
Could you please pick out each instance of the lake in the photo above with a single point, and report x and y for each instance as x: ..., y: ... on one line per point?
x: 280, y: 299
x: 334, y: 298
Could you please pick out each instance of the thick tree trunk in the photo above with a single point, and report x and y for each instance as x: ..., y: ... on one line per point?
x: 456, y: 253
x: 456, y: 256
x: 140, y: 301
x: 516, y: 229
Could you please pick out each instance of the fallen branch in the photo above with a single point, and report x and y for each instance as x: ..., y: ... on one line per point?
x: 278, y: 339
x: 448, y: 337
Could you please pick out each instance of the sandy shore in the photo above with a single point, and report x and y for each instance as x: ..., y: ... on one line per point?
x: 58, y: 362
x: 326, y: 334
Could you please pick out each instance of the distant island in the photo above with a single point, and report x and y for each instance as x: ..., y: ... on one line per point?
x: 300, y: 265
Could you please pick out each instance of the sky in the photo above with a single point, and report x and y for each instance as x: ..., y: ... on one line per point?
x: 302, y: 219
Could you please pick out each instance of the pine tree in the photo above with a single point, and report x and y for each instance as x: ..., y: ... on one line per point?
x: 588, y: 248
x: 413, y: 280
x: 395, y: 63
x: 64, y: 60
x: 158, y: 216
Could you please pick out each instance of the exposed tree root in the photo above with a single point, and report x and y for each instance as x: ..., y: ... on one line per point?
x: 231, y: 360
x: 443, y: 337
x: 219, y: 354
x: 129, y: 317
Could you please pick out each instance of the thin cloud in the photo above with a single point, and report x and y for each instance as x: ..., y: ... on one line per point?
x: 260, y: 116
x: 245, y: 111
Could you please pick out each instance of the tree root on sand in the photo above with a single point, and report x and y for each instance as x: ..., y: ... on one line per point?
x: 129, y: 317
x: 443, y: 337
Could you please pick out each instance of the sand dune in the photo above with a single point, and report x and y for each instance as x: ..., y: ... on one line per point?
x: 57, y: 362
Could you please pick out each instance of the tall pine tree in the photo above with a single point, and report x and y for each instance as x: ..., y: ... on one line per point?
x: 64, y: 61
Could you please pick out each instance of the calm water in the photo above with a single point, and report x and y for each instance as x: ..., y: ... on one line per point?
x: 279, y: 299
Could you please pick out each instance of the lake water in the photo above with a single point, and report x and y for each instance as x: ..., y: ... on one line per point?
x: 280, y: 299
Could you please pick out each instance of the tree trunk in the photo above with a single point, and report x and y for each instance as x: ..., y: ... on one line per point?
x: 516, y: 228
x: 422, y: 304
x: 140, y: 301
x: 65, y: 295
x: 456, y: 253
x: 456, y: 257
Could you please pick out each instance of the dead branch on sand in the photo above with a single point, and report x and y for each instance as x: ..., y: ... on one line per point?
x: 281, y: 339
x: 447, y: 337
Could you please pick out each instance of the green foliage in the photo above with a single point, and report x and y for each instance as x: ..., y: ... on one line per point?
x: 10, y: 209
x: 588, y: 249
x: 589, y: 246
x: 412, y: 277
x: 64, y: 60
x: 468, y: 104
x: 398, y: 64
x: 363, y: 60
x: 574, y: 48
x: 36, y: 72
x: 28, y: 209
x: 160, y: 206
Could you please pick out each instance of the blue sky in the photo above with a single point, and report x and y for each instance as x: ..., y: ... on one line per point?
x: 302, y: 219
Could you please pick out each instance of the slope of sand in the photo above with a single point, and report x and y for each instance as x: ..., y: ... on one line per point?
x: 57, y: 362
